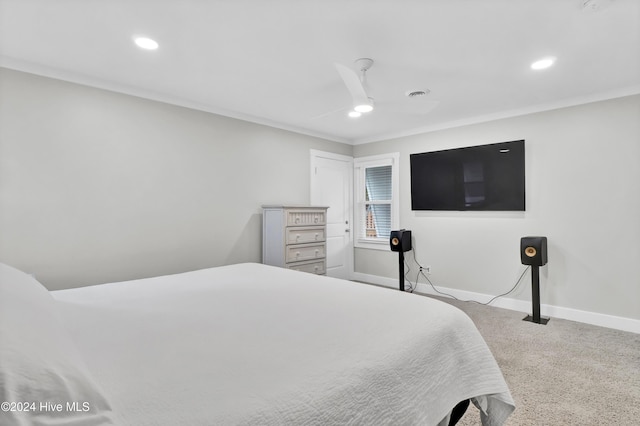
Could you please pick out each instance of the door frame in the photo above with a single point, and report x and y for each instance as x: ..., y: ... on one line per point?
x: 314, y: 155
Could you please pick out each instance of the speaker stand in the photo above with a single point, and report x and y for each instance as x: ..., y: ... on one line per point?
x: 401, y: 269
x: 535, y: 298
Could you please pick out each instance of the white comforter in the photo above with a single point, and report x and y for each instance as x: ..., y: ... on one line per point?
x: 251, y: 344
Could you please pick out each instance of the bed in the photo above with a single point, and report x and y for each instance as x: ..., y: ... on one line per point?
x: 244, y: 344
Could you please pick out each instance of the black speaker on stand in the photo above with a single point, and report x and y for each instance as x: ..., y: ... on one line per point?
x: 533, y: 252
x: 400, y: 241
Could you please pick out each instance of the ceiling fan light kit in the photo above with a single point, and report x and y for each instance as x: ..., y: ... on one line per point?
x: 364, y: 107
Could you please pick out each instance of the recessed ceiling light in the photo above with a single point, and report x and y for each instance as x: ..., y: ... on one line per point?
x: 543, y: 63
x: 146, y: 43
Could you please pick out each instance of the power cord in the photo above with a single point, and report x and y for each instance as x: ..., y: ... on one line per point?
x: 411, y: 286
x: 421, y: 272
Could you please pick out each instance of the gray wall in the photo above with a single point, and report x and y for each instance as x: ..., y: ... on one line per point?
x: 583, y: 193
x: 97, y: 186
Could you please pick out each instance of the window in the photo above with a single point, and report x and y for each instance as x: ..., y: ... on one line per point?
x: 376, y: 200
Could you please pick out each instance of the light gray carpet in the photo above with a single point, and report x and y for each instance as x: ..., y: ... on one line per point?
x: 562, y: 373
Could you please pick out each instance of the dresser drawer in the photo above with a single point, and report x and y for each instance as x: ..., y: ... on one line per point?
x: 306, y: 217
x: 315, y: 267
x: 302, y: 252
x: 300, y: 235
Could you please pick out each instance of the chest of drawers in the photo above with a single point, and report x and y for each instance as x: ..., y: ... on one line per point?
x: 294, y: 237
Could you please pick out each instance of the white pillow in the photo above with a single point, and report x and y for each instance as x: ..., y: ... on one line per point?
x: 43, y: 379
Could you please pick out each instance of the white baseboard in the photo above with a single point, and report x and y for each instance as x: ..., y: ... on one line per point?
x: 593, y: 318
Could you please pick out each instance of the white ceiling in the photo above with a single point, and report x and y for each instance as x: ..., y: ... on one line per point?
x: 272, y: 61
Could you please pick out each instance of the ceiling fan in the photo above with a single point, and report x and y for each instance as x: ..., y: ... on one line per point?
x: 355, y: 81
x: 362, y: 103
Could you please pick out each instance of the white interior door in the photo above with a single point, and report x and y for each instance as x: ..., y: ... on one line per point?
x: 332, y: 186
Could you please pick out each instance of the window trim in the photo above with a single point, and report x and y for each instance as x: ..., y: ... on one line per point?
x: 360, y: 240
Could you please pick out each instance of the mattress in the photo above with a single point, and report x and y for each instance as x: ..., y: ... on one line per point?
x: 251, y: 344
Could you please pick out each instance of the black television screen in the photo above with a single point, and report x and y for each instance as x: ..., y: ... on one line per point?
x: 485, y: 177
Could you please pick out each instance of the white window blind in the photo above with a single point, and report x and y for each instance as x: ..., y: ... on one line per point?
x: 378, y: 197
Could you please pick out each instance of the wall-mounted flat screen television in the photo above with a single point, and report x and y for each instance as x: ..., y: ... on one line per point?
x: 485, y: 177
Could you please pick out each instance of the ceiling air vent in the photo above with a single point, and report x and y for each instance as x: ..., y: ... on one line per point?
x: 418, y: 93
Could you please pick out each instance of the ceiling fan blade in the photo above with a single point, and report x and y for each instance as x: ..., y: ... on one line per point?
x: 325, y: 114
x: 353, y: 83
